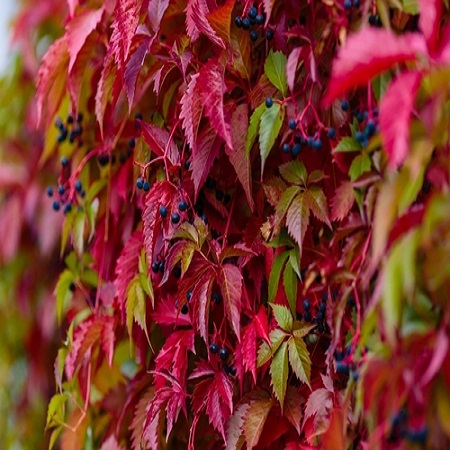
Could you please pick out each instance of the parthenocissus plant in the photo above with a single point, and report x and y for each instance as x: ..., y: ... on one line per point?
x: 256, y: 223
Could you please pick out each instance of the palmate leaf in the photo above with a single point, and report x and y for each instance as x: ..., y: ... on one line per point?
x: 317, y: 203
x: 279, y: 370
x: 270, y: 125
x: 299, y: 359
x: 294, y: 172
x: 283, y: 316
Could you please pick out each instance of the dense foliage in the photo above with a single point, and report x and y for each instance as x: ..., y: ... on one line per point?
x: 253, y: 200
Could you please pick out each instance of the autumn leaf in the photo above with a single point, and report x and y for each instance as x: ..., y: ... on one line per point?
x: 191, y: 111
x: 299, y: 359
x: 255, y: 419
x: 297, y: 218
x: 343, y: 201
x: 279, y: 371
x: 220, y: 20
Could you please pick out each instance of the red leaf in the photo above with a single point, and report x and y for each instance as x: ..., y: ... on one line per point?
x: 229, y: 278
x: 238, y: 156
x: 362, y: 58
x: 200, y: 301
x: 197, y: 22
x: 166, y: 314
x: 268, y: 6
x: 333, y: 438
x: 220, y: 20
x: 111, y: 444
x: 126, y: 20
x: 156, y: 10
x: 78, y: 29
x: 395, y: 112
x: 51, y: 81
x: 158, y: 141
x: 429, y: 21
x: 191, y: 111
x: 212, y: 88
x: 342, y: 201
x: 246, y: 352
x: 127, y: 266
x: 203, y: 156
x: 107, y: 337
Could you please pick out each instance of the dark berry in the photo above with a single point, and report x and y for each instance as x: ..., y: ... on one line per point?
x: 69, y: 119
x: 175, y: 218
x: 355, y: 375
x: 321, y: 328
x: 356, y: 3
x: 351, y: 301
x: 103, y: 160
x: 223, y: 353
x: 317, y: 144
x: 269, y: 35
x: 269, y: 102
x: 59, y: 124
x: 138, y: 116
x: 307, y: 316
x: 189, y: 295
x: 139, y: 183
x: 61, y: 189
x: 155, y: 267
x: 183, y: 206
x: 359, y: 136
x: 146, y: 186
x: 320, y: 316
x: 161, y: 266
x: 286, y: 148
x: 246, y: 23
x: 62, y: 136
x: 292, y: 124
x: 83, y: 193
x: 322, y: 307
x: 131, y: 143
x: 187, y: 165
x: 67, y: 208
x: 78, y: 186
x: 72, y: 287
x: 259, y: 19
x: 370, y: 128
x: 331, y: 133
x: 252, y: 12
x: 205, y: 219
x: 342, y: 367
x: 310, y: 141
x: 229, y: 370
x: 80, y: 117
x: 253, y: 35
x: 49, y: 191
x: 345, y: 105
x: 306, y: 305
x: 56, y: 206
x: 372, y: 19
x: 238, y: 21
x: 184, y: 309
x: 64, y: 161
x: 177, y: 272
x: 213, y: 348
x: 210, y: 183
x: 219, y: 195
x: 347, y: 4
x: 296, y: 149
x: 162, y: 211
x: 216, y: 297
x: 339, y: 356
x: 227, y: 198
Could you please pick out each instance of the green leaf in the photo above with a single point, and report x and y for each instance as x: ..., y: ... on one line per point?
x: 78, y: 232
x: 279, y: 370
x: 270, y: 125
x: 283, y: 316
x: 294, y: 172
x: 56, y: 409
x: 285, y: 201
x: 299, y: 359
x: 290, y: 283
x: 94, y: 189
x: 317, y: 203
x: 136, y: 307
x: 411, y: 7
x: 253, y: 127
x: 315, y: 176
x: 275, y: 274
x: 264, y: 354
x: 348, y: 144
x: 92, y: 210
x: 360, y: 165
x: 380, y: 84
x: 275, y: 69
x: 63, y: 293
x: 66, y: 231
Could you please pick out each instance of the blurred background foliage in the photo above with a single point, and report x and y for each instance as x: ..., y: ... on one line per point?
x: 29, y: 236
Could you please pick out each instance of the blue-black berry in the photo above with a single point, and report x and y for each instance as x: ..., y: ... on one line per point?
x: 205, y: 219
x: 216, y: 297
x: 238, y: 21
x: 67, y: 208
x: 146, y: 186
x: 259, y: 19
x: 162, y: 211
x: 183, y: 206
x: 252, y: 12
x: 296, y: 149
x: 139, y: 183
x: 61, y: 189
x: 347, y: 4
x: 175, y: 218
x: 292, y: 124
x: 370, y: 128
x: 345, y: 105
x: 331, y: 133
x: 219, y: 195
x: 49, y: 191
x: 161, y: 266
x: 189, y: 295
x: 64, y: 161
x: 356, y: 3
x: 155, y: 267
x: 213, y: 348
x: 177, y: 272
x: 78, y: 186
x: 342, y: 367
x: 103, y: 159
x: 310, y: 141
x: 317, y: 144
x: 223, y: 353
x: 210, y: 183
x: 307, y: 316
x: 322, y: 307
x: 269, y: 35
x: 56, y: 206
x: 306, y: 305
x: 286, y: 148
x: 131, y: 143
x: 269, y: 102
x: 184, y: 309
x: 246, y: 23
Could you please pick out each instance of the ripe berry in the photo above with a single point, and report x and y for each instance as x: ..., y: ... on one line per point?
x: 253, y: 35
x: 246, y: 23
x: 64, y: 161
x: 61, y: 189
x: 320, y: 316
x: 310, y: 141
x: 138, y: 116
x: 146, y: 186
x: 286, y: 148
x: 219, y: 195
x: 347, y: 4
x: 227, y: 198
x: 189, y: 295
x: 213, y: 348
x: 359, y: 136
x: 307, y: 316
x: 269, y: 35
x: 175, y: 218
x: 131, y: 143
x: 269, y: 102
x: 161, y: 266
x: 139, y: 183
x: 103, y: 160
x: 252, y: 12
x: 345, y: 105
x: 370, y: 128
x: 259, y: 19
x: 223, y: 354
x: 331, y: 133
x: 322, y: 307
x: 216, y: 297
x: 50, y: 191
x: 184, y: 309
x: 67, y: 208
x: 317, y: 144
x: 155, y: 267
x: 162, y: 211
x: 177, y: 272
x: 238, y: 21
x: 69, y: 119
x: 292, y: 124
x: 356, y: 3
x: 205, y: 219
x: 306, y: 305
x: 187, y: 165
x: 183, y: 206
x: 296, y: 149
x: 56, y: 206
x: 210, y: 183
x: 72, y: 287
x: 342, y: 367
x: 78, y: 186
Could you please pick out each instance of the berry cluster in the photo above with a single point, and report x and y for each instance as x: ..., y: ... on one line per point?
x: 175, y: 217
x: 65, y: 195
x: 253, y: 21
x: 220, y: 195
x: 72, y: 129
x: 223, y: 355
x: 400, y: 430
x: 349, y: 3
